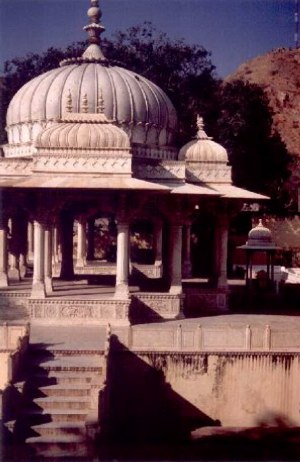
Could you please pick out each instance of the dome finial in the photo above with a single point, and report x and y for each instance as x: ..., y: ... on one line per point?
x: 94, y: 30
x: 201, y: 135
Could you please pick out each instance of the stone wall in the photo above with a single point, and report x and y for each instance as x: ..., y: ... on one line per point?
x: 175, y: 393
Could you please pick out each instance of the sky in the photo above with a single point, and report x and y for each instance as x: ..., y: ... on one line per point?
x: 234, y: 31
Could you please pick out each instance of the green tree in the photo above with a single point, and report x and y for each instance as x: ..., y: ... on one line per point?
x: 259, y: 159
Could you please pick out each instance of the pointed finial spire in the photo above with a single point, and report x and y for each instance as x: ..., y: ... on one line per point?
x: 69, y: 105
x: 85, y: 104
x: 100, y: 103
x: 94, y: 30
x: 201, y: 135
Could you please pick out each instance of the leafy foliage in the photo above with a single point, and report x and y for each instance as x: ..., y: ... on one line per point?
x: 260, y: 161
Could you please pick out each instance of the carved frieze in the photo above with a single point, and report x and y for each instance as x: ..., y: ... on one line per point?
x: 206, y: 172
x: 171, y: 170
x: 83, y: 164
x: 15, y: 167
x: 114, y: 311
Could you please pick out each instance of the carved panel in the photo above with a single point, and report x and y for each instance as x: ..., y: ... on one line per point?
x: 15, y: 167
x: 163, y: 170
x: 87, y: 164
x: 210, y: 173
x: 77, y: 310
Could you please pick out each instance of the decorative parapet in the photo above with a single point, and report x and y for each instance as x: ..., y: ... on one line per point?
x: 201, y: 300
x: 155, y: 306
x: 18, y: 150
x: 107, y: 268
x: 144, y: 152
x: 77, y: 311
x: 83, y: 164
x: 196, y: 338
x: 166, y: 170
x: 15, y: 167
x: 206, y: 172
x: 10, y: 336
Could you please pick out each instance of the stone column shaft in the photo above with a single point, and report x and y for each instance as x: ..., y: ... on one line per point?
x: 3, y: 253
x: 158, y: 231
x: 122, y: 288
x: 38, y: 283
x: 48, y: 259
x: 222, y: 249
x: 30, y: 239
x: 187, y: 266
x: 14, y: 250
x: 81, y: 242
x: 176, y: 259
x: 90, y: 240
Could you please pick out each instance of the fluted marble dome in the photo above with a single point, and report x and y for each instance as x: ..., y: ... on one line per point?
x: 83, y: 133
x: 260, y: 236
x: 134, y: 103
x: 203, y: 148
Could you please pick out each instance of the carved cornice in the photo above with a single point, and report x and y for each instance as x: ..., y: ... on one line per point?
x: 166, y: 169
x: 19, y: 167
x: 82, y: 164
x: 206, y: 172
x: 18, y: 150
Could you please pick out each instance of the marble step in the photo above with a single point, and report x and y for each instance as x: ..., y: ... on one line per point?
x: 63, y: 378
x: 63, y: 402
x: 38, y: 416
x: 66, y: 390
x: 59, y: 446
x: 72, y: 363
x: 60, y: 429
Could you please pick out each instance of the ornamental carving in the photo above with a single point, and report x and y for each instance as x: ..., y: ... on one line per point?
x: 165, y: 170
x: 208, y: 173
x: 15, y: 167
x: 91, y: 164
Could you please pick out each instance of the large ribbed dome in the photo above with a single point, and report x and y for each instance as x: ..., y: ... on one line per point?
x: 134, y: 103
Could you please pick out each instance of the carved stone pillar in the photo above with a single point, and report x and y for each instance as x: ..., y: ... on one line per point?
x: 122, y: 287
x: 158, y: 233
x: 14, y: 250
x: 176, y: 259
x: 48, y: 258
x: 30, y: 238
x: 38, y: 283
x: 187, y: 265
x: 81, y: 241
x: 221, y: 251
x: 3, y: 251
x: 67, y: 268
x: 90, y: 240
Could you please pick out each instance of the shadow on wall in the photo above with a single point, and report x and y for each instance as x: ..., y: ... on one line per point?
x: 142, y: 406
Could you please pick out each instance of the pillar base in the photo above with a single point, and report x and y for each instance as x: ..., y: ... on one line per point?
x: 3, y: 280
x: 187, y: 269
x: 38, y: 290
x: 48, y: 285
x: 121, y: 292
x: 175, y: 290
x: 222, y: 282
x: 81, y: 262
x: 14, y: 274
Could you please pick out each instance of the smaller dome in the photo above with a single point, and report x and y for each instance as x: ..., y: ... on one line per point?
x: 84, y: 132
x: 260, y: 236
x: 203, y: 148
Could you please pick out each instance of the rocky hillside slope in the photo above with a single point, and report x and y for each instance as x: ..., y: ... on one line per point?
x: 278, y: 73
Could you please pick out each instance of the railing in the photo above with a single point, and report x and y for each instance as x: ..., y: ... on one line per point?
x: 226, y: 338
x: 14, y: 342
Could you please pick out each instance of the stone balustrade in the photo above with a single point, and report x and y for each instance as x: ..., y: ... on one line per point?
x: 197, y: 338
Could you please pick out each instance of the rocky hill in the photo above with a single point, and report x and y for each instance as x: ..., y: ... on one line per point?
x: 278, y: 73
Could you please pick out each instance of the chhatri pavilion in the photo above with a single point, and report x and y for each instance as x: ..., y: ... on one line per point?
x: 91, y: 142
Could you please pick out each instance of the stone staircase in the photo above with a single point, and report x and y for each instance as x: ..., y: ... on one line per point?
x: 59, y: 416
